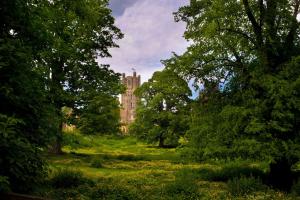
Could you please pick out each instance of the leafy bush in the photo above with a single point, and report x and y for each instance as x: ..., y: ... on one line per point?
x: 184, y: 186
x: 21, y: 161
x: 296, y: 188
x: 4, y: 184
x: 74, y: 139
x: 101, y: 116
x: 74, y: 193
x: 68, y: 178
x: 245, y: 185
x: 229, y: 172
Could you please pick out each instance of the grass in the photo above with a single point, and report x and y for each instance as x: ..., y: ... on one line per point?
x: 125, y: 168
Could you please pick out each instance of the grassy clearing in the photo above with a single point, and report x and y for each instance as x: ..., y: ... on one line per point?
x: 124, y: 168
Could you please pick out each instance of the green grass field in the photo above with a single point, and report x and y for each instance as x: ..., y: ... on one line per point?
x: 102, y: 167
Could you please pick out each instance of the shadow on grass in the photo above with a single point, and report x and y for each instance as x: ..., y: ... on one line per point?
x: 161, y: 147
x: 241, y: 174
x: 227, y: 173
x: 126, y: 157
x: 108, y: 157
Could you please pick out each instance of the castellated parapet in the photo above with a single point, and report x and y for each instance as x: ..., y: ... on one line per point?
x: 128, y: 99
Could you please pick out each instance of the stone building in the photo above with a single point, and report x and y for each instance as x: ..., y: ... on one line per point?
x: 129, y: 100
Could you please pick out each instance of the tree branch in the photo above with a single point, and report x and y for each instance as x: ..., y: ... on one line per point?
x: 239, y: 32
x: 261, y: 12
x: 255, y: 25
x: 294, y: 26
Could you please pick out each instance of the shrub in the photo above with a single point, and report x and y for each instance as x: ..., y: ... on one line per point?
x: 184, y: 186
x: 74, y: 139
x: 245, y: 185
x: 296, y: 188
x: 68, y: 178
x: 21, y: 161
x: 229, y: 172
x: 4, y: 184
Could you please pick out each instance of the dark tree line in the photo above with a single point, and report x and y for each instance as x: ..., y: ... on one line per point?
x: 245, y: 54
x: 47, y: 62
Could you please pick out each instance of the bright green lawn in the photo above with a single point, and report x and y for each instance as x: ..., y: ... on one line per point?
x: 135, y: 170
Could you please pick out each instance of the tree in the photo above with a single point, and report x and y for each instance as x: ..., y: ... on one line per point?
x: 47, y: 61
x: 26, y: 115
x: 251, y: 48
x: 77, y: 33
x: 162, y: 109
x: 102, y: 116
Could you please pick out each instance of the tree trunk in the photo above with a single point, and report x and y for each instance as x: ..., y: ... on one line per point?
x: 57, y: 91
x: 161, y: 142
x: 55, y: 148
x: 281, y: 175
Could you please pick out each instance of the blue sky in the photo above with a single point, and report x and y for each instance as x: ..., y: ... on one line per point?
x: 150, y: 35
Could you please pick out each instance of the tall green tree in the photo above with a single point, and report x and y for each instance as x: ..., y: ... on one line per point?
x: 163, y: 108
x: 48, y: 52
x: 251, y: 47
x: 78, y: 32
x: 102, y: 116
x: 26, y: 115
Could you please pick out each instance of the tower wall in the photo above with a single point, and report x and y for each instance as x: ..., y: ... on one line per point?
x: 128, y: 99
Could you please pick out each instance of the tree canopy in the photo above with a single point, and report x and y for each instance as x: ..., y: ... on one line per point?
x: 48, y: 61
x: 162, y: 109
x: 251, y: 49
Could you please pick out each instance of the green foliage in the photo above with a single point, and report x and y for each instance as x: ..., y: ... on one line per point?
x: 76, y: 34
x: 157, y: 176
x: 114, y: 192
x: 68, y: 178
x: 230, y: 172
x: 97, y: 163
x: 296, y: 188
x: 246, y: 56
x: 48, y: 51
x: 21, y: 161
x: 245, y: 186
x: 74, y: 139
x: 4, y: 184
x: 184, y: 187
x: 161, y: 114
x: 102, y: 116
x: 27, y: 118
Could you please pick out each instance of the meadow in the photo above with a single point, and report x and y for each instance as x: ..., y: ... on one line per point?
x: 111, y: 167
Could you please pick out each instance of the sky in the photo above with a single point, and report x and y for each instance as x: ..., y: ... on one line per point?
x: 150, y: 35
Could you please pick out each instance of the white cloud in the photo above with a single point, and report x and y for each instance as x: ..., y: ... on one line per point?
x: 150, y: 36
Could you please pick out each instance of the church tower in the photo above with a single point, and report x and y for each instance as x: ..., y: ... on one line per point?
x: 128, y: 99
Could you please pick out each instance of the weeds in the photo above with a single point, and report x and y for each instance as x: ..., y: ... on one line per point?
x: 241, y: 186
x: 228, y: 172
x: 68, y: 178
x: 112, y: 192
x: 184, y: 186
x: 134, y: 170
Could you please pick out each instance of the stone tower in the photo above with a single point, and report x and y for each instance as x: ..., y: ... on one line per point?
x: 128, y: 99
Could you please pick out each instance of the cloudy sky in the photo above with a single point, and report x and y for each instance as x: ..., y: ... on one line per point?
x: 150, y: 35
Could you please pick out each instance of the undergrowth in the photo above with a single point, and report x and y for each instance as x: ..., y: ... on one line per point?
x: 103, y: 167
